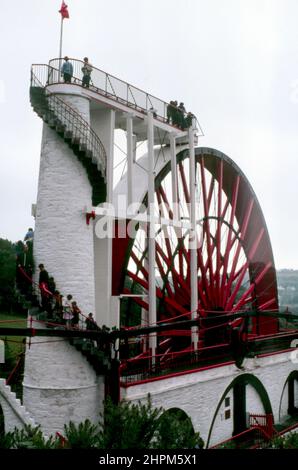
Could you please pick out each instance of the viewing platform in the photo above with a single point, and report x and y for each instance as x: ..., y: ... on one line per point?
x: 106, y: 91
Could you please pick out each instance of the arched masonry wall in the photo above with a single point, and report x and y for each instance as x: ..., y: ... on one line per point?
x: 60, y: 385
x: 284, y: 401
x: 199, y: 393
x: 62, y: 241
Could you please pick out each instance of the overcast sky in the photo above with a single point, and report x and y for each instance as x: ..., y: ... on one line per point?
x: 234, y: 63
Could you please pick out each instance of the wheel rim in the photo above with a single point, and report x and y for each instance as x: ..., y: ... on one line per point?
x: 235, y: 262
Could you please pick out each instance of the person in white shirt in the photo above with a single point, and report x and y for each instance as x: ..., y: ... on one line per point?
x: 67, y: 310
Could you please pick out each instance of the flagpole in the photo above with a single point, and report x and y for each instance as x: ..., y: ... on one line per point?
x: 64, y: 14
x: 61, y: 35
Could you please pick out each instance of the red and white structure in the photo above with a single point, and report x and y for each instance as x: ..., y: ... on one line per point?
x: 185, y: 240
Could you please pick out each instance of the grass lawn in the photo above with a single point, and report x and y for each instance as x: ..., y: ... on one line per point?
x: 13, y: 344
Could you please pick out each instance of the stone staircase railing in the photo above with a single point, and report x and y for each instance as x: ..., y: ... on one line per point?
x: 15, y: 414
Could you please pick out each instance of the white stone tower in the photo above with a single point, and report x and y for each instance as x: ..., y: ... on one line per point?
x: 76, y: 175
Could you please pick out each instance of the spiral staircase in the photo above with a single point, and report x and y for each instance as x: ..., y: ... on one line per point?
x: 75, y: 131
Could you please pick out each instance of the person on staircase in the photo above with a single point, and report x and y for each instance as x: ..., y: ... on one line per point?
x: 67, y: 311
x: 43, y: 286
x: 28, y: 248
x: 91, y: 323
x: 76, y: 311
x: 86, y: 69
x: 57, y: 306
x: 29, y: 235
x: 67, y: 70
x: 52, y: 285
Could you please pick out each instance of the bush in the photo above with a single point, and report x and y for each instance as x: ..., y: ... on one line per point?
x: 128, y: 426
x: 7, y: 274
x: 82, y: 436
x: 285, y: 442
x: 27, y: 438
x: 122, y: 426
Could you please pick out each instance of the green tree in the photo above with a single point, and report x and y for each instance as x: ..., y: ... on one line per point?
x: 175, y: 431
x: 7, y: 274
x: 128, y: 425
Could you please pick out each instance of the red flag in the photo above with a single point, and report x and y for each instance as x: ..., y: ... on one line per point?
x: 64, y: 10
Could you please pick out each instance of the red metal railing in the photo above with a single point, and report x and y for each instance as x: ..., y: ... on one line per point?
x: 145, y: 367
x: 16, y: 370
x: 264, y: 422
x: 244, y: 438
x: 260, y: 431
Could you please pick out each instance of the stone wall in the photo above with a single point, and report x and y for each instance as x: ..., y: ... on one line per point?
x: 63, y: 242
x: 59, y: 384
x: 199, y: 394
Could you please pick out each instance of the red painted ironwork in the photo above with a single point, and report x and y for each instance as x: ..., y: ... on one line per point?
x: 89, y: 216
x: 265, y: 422
x: 235, y: 262
x: 244, y: 438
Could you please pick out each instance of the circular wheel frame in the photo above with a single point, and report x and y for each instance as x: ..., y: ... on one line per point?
x: 236, y: 270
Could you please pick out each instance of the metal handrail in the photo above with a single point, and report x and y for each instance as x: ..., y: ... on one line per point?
x: 68, y: 116
x: 107, y: 84
x: 259, y: 429
x: 132, y: 371
x: 264, y: 421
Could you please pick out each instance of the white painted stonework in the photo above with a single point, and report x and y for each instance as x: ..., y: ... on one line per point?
x: 59, y: 384
x: 198, y: 394
x: 62, y: 241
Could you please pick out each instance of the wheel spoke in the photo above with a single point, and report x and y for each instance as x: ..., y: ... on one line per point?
x: 254, y: 248
x: 207, y: 228
x: 239, y: 247
x: 228, y: 245
x: 234, y: 261
x: 241, y: 301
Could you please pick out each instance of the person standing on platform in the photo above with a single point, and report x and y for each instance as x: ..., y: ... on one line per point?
x: 181, y: 115
x: 86, y: 69
x: 67, y: 70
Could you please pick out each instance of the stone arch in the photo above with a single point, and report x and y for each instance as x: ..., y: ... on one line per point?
x: 292, y: 399
x: 181, y: 416
x: 240, y: 383
x: 179, y: 413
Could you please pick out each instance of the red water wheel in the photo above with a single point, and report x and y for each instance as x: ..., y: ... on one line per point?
x: 236, y: 270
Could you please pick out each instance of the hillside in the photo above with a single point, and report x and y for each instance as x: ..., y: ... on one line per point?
x: 287, y: 280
